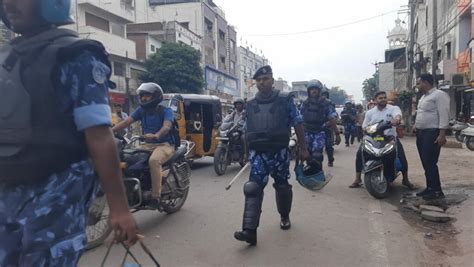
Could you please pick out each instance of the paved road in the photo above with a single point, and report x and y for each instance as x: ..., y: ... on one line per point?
x: 337, y: 226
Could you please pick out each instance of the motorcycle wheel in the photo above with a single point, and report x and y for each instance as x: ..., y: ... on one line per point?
x: 470, y: 143
x: 173, y: 203
x: 98, y: 226
x: 459, y: 137
x: 373, y: 185
x: 220, y: 161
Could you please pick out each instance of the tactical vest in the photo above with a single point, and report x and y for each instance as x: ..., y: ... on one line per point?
x: 36, y: 138
x: 268, y: 125
x: 314, y: 114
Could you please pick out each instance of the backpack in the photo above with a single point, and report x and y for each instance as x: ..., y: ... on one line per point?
x: 174, y: 132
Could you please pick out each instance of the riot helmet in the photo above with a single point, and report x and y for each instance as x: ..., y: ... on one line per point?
x: 152, y: 89
x: 55, y: 12
x: 315, y: 84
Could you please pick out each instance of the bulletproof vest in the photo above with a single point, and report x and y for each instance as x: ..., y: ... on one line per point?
x: 36, y: 138
x: 314, y: 114
x: 268, y: 125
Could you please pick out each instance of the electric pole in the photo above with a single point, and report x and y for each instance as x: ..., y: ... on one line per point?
x: 434, y: 57
x: 411, y: 45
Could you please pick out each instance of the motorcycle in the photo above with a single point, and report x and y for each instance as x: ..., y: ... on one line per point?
x: 468, y: 135
x: 137, y: 181
x: 378, y: 151
x: 230, y: 148
x: 457, y: 127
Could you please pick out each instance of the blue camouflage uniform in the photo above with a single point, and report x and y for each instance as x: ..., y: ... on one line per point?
x: 275, y: 164
x: 350, y: 129
x: 315, y: 142
x: 43, y: 223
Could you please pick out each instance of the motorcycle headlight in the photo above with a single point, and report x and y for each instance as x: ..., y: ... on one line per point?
x: 222, y: 133
x: 387, y: 149
x: 370, y: 148
x: 371, y: 129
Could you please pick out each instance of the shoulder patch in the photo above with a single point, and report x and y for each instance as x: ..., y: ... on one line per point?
x: 99, y: 72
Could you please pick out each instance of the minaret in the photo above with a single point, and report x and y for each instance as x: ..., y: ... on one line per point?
x: 398, y: 36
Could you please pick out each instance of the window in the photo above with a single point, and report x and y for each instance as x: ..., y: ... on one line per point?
x: 97, y: 22
x: 232, y: 46
x: 222, y: 35
x: 448, y: 50
x: 232, y: 67
x: 222, y: 60
x: 118, y: 29
x: 179, y: 35
x: 153, y: 48
x: 119, y: 69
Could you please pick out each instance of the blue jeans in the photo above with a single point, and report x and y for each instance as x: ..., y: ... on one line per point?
x: 43, y: 223
x: 429, y: 155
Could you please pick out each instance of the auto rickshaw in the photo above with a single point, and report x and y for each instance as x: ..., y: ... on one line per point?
x: 199, y: 118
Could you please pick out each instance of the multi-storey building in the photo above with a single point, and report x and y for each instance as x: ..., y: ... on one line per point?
x: 249, y: 63
x: 454, y: 54
x: 218, y: 38
x: 106, y: 22
x: 5, y: 34
x: 150, y: 36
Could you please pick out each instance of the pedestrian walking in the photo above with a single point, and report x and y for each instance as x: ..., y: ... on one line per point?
x: 359, y: 121
x: 384, y: 112
x: 329, y: 131
x: 431, y: 122
x: 54, y: 115
x: 270, y: 116
x: 348, y: 117
x: 318, y: 115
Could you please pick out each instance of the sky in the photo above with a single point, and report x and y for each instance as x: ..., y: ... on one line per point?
x: 338, y: 57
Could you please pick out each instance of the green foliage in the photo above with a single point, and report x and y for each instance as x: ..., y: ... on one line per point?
x: 176, y: 68
x: 370, y: 87
x: 337, y: 95
x: 405, y: 99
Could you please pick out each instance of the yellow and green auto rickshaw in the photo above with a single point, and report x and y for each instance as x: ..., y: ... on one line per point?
x: 199, y: 118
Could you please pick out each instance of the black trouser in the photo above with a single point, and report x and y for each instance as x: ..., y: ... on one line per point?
x: 330, y: 144
x: 400, y: 152
x: 429, y: 155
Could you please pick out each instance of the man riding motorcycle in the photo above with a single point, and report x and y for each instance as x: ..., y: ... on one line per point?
x: 156, y: 124
x: 238, y: 117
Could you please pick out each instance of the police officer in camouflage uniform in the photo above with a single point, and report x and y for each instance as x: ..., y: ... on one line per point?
x: 54, y: 113
x: 270, y: 116
x: 329, y: 131
x: 348, y: 117
x: 317, y: 113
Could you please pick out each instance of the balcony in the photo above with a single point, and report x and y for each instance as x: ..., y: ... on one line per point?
x: 123, y: 9
x: 114, y: 44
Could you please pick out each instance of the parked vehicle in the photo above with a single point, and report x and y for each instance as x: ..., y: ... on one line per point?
x: 468, y: 135
x: 134, y: 163
x: 378, y: 153
x: 198, y: 118
x: 457, y: 127
x: 230, y: 148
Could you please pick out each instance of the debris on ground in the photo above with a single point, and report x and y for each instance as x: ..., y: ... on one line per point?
x: 435, y: 216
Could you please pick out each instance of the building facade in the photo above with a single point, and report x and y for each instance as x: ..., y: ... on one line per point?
x: 453, y: 56
x: 5, y: 34
x: 249, y: 63
x: 218, y: 39
x: 106, y: 22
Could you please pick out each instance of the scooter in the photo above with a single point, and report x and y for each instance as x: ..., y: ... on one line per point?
x: 457, y: 127
x: 378, y: 152
x: 468, y: 134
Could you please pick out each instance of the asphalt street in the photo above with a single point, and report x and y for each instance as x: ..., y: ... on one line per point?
x: 336, y: 226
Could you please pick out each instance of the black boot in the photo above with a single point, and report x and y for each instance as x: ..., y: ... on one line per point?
x: 253, y: 207
x: 284, y: 197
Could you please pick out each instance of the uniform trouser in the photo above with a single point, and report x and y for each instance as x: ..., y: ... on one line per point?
x: 330, y: 144
x: 315, y: 143
x: 161, y: 154
x: 349, y: 132
x: 429, y: 154
x: 43, y: 223
x: 264, y: 165
x: 400, y: 153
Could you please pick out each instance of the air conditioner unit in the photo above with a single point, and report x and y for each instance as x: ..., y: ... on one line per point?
x: 458, y: 79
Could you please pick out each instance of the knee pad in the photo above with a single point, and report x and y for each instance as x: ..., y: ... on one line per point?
x: 252, y: 189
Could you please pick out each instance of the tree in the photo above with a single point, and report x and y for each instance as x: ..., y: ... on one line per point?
x: 369, y: 87
x: 176, y: 68
x: 337, y: 95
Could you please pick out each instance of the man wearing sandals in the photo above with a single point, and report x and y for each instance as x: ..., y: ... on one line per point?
x: 386, y: 112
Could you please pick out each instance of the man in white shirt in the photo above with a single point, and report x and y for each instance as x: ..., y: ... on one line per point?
x: 383, y: 112
x: 432, y: 120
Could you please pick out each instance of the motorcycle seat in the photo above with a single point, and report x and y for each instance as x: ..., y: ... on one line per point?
x: 177, y: 154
